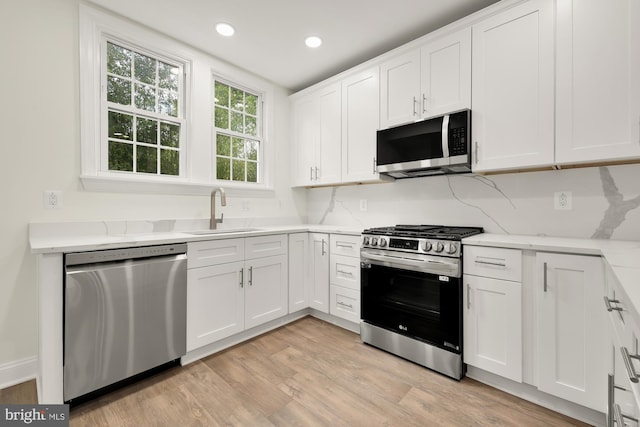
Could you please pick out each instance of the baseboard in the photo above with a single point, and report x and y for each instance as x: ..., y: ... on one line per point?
x: 17, y: 372
x: 334, y: 320
x: 532, y: 394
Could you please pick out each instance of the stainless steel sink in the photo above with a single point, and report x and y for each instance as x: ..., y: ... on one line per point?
x: 221, y: 231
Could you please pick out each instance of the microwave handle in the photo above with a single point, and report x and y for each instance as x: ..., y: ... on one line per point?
x: 445, y: 137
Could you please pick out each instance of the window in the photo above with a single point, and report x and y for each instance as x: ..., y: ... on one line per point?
x: 144, y: 114
x: 146, y: 124
x: 238, y: 133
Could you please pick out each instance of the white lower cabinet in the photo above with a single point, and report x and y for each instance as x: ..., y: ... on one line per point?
x: 298, y: 271
x: 215, y: 303
x: 319, y: 272
x: 345, y: 277
x: 571, y: 336
x: 492, y: 316
x: 226, y: 298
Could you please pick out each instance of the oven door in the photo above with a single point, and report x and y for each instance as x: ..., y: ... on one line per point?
x: 413, y: 303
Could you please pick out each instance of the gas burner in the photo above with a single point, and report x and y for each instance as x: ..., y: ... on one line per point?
x: 438, y: 240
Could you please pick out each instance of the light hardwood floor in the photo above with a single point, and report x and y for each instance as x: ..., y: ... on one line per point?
x: 307, y: 373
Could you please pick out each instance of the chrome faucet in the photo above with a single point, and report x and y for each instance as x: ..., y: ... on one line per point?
x: 223, y: 202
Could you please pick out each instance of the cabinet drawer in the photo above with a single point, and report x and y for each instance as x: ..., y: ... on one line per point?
x: 347, y: 245
x: 498, y: 263
x: 262, y: 246
x: 345, y: 271
x: 212, y: 252
x: 345, y: 303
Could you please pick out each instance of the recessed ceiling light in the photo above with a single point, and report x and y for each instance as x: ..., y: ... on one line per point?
x: 313, y: 41
x: 225, y: 29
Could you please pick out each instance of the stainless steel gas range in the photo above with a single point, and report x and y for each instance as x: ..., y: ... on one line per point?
x: 411, y: 277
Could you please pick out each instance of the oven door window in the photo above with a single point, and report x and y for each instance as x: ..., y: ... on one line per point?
x: 415, y: 304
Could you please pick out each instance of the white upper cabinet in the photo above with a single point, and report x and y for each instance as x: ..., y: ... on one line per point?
x: 427, y: 81
x: 400, y: 86
x: 317, y: 129
x: 360, y: 113
x: 446, y: 74
x: 598, y: 80
x: 513, y: 88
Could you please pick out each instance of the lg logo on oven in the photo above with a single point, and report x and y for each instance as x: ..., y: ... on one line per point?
x: 403, y: 328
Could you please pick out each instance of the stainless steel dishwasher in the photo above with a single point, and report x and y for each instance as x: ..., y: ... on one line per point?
x: 124, y: 314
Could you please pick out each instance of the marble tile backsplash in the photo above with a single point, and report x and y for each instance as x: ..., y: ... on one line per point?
x: 605, y: 202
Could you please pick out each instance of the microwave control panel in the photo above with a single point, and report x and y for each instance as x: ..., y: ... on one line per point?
x: 457, y: 141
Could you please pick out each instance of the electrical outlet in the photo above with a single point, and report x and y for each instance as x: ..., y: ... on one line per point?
x: 246, y: 206
x: 363, y: 205
x: 52, y: 199
x: 562, y: 200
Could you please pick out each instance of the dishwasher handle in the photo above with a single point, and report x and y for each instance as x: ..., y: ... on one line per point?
x: 112, y: 255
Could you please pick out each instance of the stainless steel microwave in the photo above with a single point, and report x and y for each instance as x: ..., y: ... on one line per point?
x: 438, y: 145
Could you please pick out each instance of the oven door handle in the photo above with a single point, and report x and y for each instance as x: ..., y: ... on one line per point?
x: 436, y: 266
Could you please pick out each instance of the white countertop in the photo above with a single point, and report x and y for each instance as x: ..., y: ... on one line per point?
x: 75, y: 237
x: 622, y: 256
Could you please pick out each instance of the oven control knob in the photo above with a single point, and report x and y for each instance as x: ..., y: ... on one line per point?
x: 374, y: 241
x: 365, y: 241
x: 439, y: 247
x: 383, y: 242
x: 450, y: 248
x: 426, y: 246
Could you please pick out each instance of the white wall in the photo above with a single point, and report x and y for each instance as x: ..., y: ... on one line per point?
x: 39, y: 122
x: 605, y: 202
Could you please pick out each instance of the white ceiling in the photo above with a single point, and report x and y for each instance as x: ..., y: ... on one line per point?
x: 269, y: 39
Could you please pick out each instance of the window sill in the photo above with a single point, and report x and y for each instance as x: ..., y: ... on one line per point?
x: 116, y: 184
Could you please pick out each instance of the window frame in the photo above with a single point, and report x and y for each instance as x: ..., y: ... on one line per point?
x: 197, y: 176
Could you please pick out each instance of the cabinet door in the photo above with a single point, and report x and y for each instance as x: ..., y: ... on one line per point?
x: 215, y: 303
x: 598, y: 83
x: 266, y: 290
x: 345, y: 271
x: 298, y: 271
x: 345, y: 303
x: 328, y: 166
x: 513, y: 88
x: 361, y: 116
x: 446, y: 74
x: 493, y: 326
x: 306, y: 139
x: 400, y: 89
x: 319, y: 272
x: 571, y: 335
x: 263, y: 246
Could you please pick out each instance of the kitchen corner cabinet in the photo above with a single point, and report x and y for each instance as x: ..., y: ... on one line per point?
x: 598, y: 81
x: 233, y: 285
x: 317, y: 132
x: 492, y: 310
x: 360, y: 119
x: 427, y: 81
x: 298, y: 271
x: 513, y: 88
x: 571, y: 328
x: 319, y: 272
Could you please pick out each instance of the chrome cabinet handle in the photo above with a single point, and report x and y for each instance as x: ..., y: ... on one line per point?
x: 242, y: 277
x: 424, y: 103
x: 311, y: 173
x: 323, y: 250
x: 619, y: 416
x: 374, y: 165
x: 468, y: 296
x: 497, y: 263
x: 348, y: 273
x: 317, y: 173
x: 610, y: 400
x: 628, y: 364
x: 545, y: 285
x: 345, y: 305
x: 475, y: 154
x: 610, y: 308
x: 342, y: 245
x: 251, y: 276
